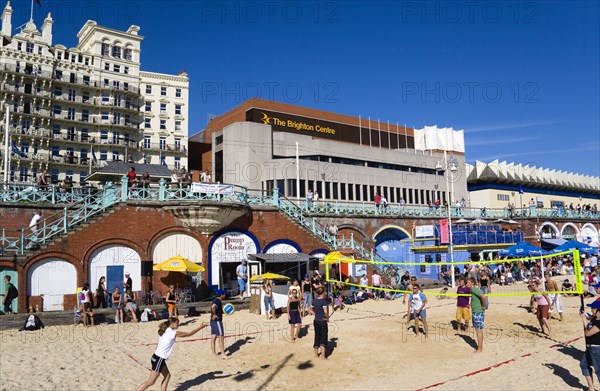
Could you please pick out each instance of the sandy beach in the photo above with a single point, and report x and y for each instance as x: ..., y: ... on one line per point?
x: 371, y: 348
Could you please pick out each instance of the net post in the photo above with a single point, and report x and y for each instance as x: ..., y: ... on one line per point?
x: 577, y: 272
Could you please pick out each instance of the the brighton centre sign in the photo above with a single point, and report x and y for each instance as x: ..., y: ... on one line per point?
x: 283, y: 122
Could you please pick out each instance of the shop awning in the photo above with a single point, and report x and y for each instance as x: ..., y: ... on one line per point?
x: 554, y: 242
x: 280, y: 258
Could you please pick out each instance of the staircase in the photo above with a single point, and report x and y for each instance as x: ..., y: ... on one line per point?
x: 299, y: 216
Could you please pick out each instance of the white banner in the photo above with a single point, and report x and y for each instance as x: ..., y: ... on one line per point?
x: 424, y: 231
x: 210, y: 188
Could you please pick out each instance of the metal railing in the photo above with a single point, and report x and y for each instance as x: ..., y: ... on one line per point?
x: 359, y: 208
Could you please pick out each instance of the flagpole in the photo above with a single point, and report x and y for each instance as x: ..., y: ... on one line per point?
x: 360, y: 129
x: 370, y: 144
x: 405, y: 137
x: 31, y: 14
x: 389, y: 137
x: 379, y: 131
x: 397, y: 136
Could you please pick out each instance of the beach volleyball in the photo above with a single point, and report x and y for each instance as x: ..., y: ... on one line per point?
x: 228, y: 309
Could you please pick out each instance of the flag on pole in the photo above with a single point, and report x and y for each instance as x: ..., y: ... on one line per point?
x: 17, y: 151
x: 521, y: 189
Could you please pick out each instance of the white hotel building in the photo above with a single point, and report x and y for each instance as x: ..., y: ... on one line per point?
x: 74, y: 109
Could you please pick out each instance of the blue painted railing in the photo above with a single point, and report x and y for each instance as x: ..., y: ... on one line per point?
x: 89, y: 205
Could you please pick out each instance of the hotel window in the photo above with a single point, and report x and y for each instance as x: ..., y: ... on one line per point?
x: 126, y: 138
x: 82, y: 175
x: 73, y: 58
x: 178, y: 144
x: 117, y: 118
x: 116, y: 137
x: 57, y: 110
x: 55, y: 150
x: 147, y: 123
x: 23, y: 174
x: 104, y: 137
x: 116, y: 84
x: 219, y: 140
x: 116, y: 68
x: 86, y: 61
x: 177, y: 109
x: 72, y: 95
x: 357, y: 192
x: 20, y: 46
x: 71, y: 113
x: 116, y: 52
x: 126, y: 70
x: 103, y: 154
x: 104, y: 117
x: 328, y: 190
x: 163, y: 143
x: 25, y: 147
x: 117, y: 100
x: 40, y: 51
x: 127, y: 54
x: 125, y: 86
x: 105, y: 98
x: 178, y: 92
x: 342, y: 191
x: 127, y: 103
x: 163, y: 108
x: 30, y: 47
x: 163, y: 124
x: 86, y: 80
x: 146, y: 142
x: 106, y: 83
x: 116, y: 156
x: 38, y: 89
x: 163, y: 91
x: 107, y: 66
x: 177, y: 125
x: 84, y: 135
x: 105, y: 49
x: 178, y: 163
x: 127, y: 120
x: 57, y: 92
x: 85, y: 97
x: 148, y: 89
x: 148, y: 106
x: 55, y: 131
x: 59, y: 55
x: 54, y: 175
x: 350, y: 192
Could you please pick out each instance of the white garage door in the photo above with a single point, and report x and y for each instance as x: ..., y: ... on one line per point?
x: 52, y: 278
x: 177, y: 244
x: 115, y: 255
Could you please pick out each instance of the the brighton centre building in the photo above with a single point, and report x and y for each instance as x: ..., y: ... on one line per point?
x: 342, y: 158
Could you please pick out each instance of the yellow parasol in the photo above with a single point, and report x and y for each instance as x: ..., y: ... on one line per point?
x: 268, y: 276
x: 178, y: 264
x: 337, y: 257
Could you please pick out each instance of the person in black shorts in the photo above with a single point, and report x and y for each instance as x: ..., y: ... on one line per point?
x: 321, y: 310
x: 216, y: 324
x: 294, y: 315
x: 167, y: 332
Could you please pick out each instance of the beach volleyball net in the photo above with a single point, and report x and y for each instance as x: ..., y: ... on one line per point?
x: 506, y: 277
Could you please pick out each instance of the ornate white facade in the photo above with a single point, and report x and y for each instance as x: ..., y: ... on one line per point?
x: 72, y: 109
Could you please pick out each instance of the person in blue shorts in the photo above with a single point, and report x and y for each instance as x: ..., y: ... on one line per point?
x: 478, y: 303
x: 216, y: 324
x: 417, y: 303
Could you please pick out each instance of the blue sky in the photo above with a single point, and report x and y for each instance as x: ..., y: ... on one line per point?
x: 521, y: 78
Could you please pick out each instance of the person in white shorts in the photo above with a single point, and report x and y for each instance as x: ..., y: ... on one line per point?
x: 552, y: 286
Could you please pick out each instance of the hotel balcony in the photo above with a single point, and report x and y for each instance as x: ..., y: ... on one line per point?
x: 170, y: 148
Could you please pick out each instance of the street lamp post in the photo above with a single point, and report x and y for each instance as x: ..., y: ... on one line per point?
x: 449, y: 199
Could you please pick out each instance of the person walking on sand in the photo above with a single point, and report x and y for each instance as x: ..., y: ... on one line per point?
x: 268, y: 300
x: 463, y: 310
x: 167, y: 332
x: 552, y: 286
x: 294, y: 315
x: 543, y: 306
x: 216, y: 324
x: 321, y: 311
x: 242, y: 276
x: 417, y: 303
x: 478, y: 303
x: 591, y: 356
